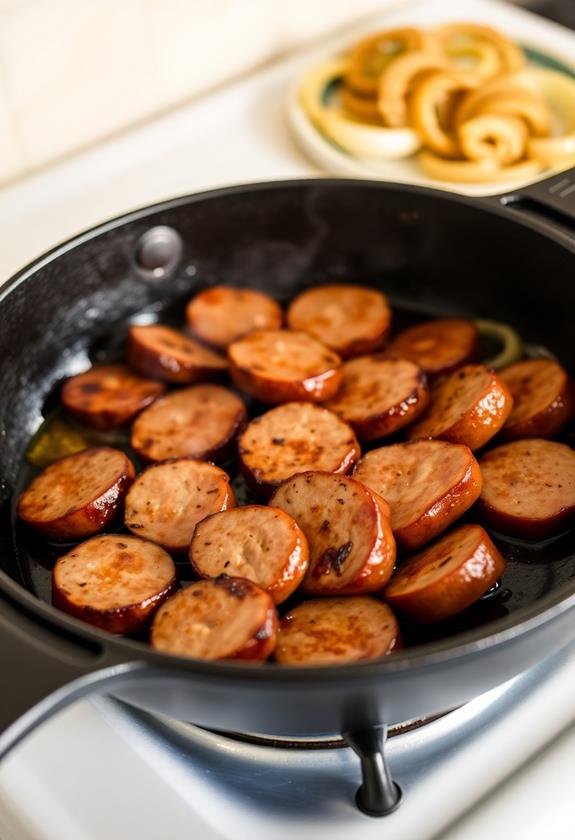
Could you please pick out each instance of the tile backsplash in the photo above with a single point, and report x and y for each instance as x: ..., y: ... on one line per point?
x: 73, y: 72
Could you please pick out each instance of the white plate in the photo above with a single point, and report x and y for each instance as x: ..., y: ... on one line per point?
x: 554, y: 42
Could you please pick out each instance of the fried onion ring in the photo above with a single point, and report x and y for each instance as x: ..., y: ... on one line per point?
x: 397, y: 81
x: 457, y: 35
x: 370, y: 57
x: 493, y: 137
x: 427, y: 98
x: 475, y: 171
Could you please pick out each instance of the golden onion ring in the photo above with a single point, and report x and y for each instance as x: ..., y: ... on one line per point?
x: 370, y: 57
x: 358, y: 138
x: 363, y: 107
x: 485, y: 61
x: 558, y: 150
x: 428, y: 95
x: 555, y: 152
x: 493, y: 137
x: 508, y: 96
x: 475, y: 171
x: 396, y: 81
x: 511, y: 57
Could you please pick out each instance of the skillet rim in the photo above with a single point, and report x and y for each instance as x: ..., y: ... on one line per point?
x: 520, y: 623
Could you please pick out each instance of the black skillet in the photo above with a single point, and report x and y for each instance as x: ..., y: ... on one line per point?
x: 511, y: 258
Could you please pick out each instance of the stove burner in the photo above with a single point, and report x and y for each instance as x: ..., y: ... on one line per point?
x: 327, y: 742
x: 378, y: 794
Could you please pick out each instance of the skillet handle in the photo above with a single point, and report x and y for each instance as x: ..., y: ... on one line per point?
x: 551, y: 201
x: 37, y: 663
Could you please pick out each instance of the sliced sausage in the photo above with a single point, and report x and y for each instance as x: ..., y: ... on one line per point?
x: 113, y: 581
x: 293, y: 438
x: 164, y: 353
x: 107, y: 396
x: 543, y: 399
x: 166, y: 501
x: 468, y: 407
x: 332, y: 631
x: 201, y: 422
x: 223, y: 314
x: 352, y: 320
x: 379, y: 396
x: 225, y: 618
x: 77, y: 496
x: 427, y: 483
x: 438, y: 347
x: 277, y: 366
x: 351, y: 545
x: 529, y: 488
x: 447, y: 577
x: 258, y: 543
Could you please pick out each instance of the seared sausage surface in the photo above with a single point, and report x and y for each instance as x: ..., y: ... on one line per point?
x: 261, y: 544
x: 438, y: 347
x: 278, y: 366
x: 223, y: 314
x: 379, y: 396
x: 166, y: 501
x: 77, y: 496
x: 351, y: 546
x: 333, y: 631
x: 428, y: 484
x: 226, y: 618
x: 529, y: 488
x: 107, y: 396
x: 164, y: 353
x: 469, y: 407
x: 543, y: 399
x: 200, y: 422
x: 447, y: 577
x: 293, y: 438
x: 114, y: 581
x: 350, y: 319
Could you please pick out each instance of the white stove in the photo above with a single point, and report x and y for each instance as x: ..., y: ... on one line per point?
x: 502, y: 763
x: 105, y: 770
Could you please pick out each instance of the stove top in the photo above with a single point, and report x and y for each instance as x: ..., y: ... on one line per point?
x: 143, y: 770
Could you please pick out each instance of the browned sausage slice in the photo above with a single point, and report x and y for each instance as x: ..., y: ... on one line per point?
x: 379, y: 395
x: 201, y: 422
x: 222, y: 314
x: 164, y: 353
x: 226, y: 618
x: 293, y: 438
x: 350, y: 319
x: 114, y: 581
x: 447, y: 577
x: 439, y: 347
x: 332, y: 631
x: 529, y: 488
x: 277, y: 366
x: 166, y: 501
x: 543, y: 399
x: 428, y: 484
x: 351, y: 546
x: 107, y: 396
x: 469, y: 407
x: 79, y: 495
x: 258, y: 543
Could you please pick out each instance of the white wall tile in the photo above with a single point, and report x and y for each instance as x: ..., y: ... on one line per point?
x: 12, y: 161
x: 77, y: 71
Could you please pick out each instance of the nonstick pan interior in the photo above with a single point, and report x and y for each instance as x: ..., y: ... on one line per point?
x: 432, y: 255
x: 533, y: 570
